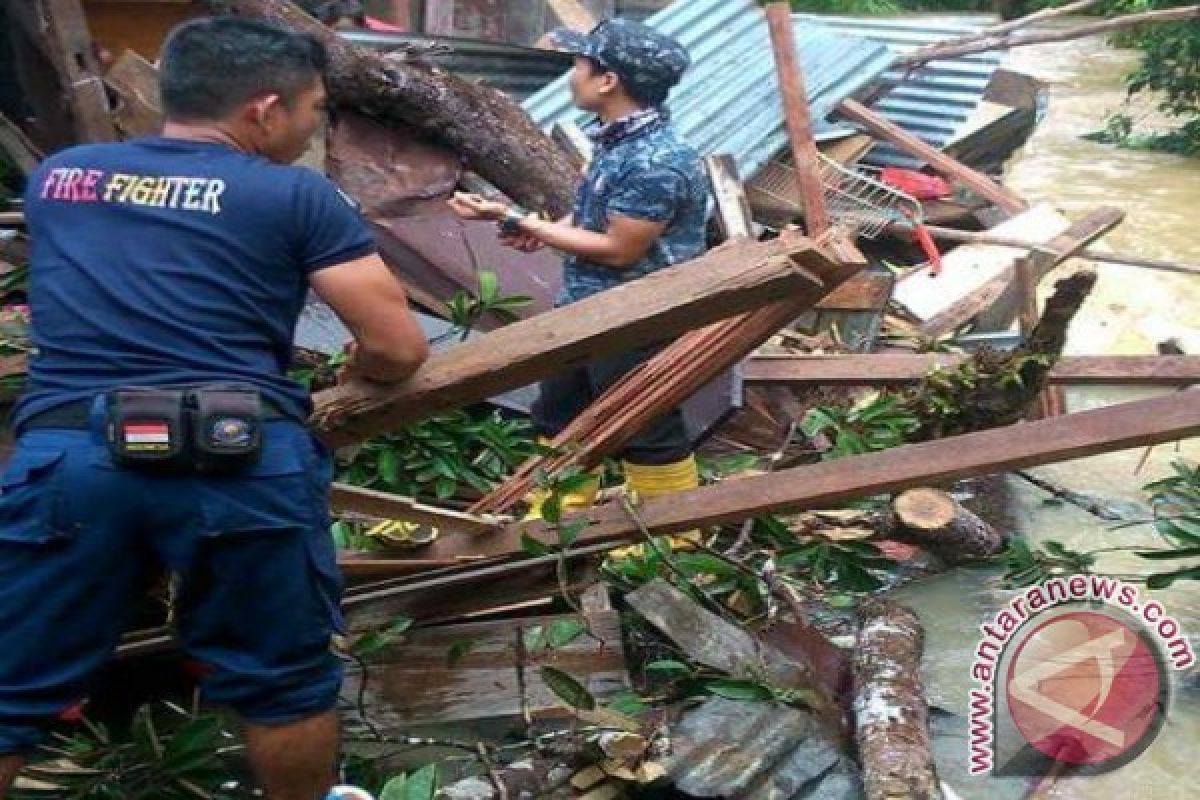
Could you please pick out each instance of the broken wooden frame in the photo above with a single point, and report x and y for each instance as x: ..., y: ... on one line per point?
x: 719, y: 284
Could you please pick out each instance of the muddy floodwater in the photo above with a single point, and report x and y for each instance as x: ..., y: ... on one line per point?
x: 1129, y: 312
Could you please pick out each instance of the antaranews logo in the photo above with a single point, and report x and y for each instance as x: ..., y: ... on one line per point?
x: 1073, y: 671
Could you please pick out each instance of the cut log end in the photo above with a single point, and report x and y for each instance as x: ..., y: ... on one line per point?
x: 925, y: 509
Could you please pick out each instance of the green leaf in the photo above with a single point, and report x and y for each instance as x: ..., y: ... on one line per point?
x: 389, y: 467
x: 534, y: 547
x: 738, y: 690
x: 568, y: 532
x: 489, y: 287
x: 422, y: 784
x: 457, y: 650
x: 669, y: 667
x: 1164, y: 579
x: 394, y: 789
x: 1162, y: 555
x: 564, y: 631
x: 569, y: 690
x: 534, y: 639
x: 627, y: 702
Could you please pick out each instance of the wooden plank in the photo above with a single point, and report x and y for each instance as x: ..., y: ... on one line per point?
x: 135, y: 81
x: 975, y: 181
x: 1057, y: 250
x: 23, y: 153
x: 573, y: 14
x: 719, y: 284
x: 733, y: 210
x: 1086, y: 433
x: 79, y: 70
x: 901, y: 368
x: 795, y: 113
x: 866, y: 291
x: 497, y: 678
x: 344, y: 498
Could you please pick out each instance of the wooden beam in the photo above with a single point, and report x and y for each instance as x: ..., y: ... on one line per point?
x: 1041, y: 261
x: 939, y: 161
x: 344, y: 499
x: 866, y: 291
x: 795, y: 113
x: 1119, y: 427
x: 1121, y: 259
x: 732, y: 209
x: 79, y: 70
x: 719, y: 284
x: 135, y: 82
x: 23, y: 153
x: 899, y: 368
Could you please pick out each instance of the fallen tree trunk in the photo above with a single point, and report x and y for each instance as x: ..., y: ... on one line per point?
x: 493, y: 134
x: 1006, y: 41
x: 936, y: 521
x: 720, y: 284
x: 994, y: 388
x: 891, y: 717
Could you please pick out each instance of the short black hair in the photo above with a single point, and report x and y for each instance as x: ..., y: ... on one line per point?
x: 211, y: 66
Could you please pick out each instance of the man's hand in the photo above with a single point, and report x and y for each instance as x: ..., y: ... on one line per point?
x: 476, y: 207
x: 525, y: 242
x: 352, y: 370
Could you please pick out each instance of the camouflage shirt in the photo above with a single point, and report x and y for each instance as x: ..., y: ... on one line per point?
x: 640, y: 169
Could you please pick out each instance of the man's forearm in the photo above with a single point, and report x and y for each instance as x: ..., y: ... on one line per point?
x: 599, y: 248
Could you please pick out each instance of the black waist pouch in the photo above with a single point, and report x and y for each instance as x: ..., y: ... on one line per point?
x: 196, y: 430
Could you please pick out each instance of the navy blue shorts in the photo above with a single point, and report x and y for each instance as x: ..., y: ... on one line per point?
x: 258, y: 583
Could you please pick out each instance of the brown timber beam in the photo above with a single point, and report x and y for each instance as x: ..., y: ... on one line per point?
x: 720, y: 284
x: 900, y: 368
x: 939, y: 161
x: 1119, y: 427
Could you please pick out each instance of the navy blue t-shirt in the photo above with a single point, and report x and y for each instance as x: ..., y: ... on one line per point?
x: 164, y: 261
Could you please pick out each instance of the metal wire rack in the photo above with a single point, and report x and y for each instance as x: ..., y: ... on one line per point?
x: 858, y: 202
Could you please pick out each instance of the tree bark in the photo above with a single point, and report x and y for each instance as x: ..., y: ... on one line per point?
x: 935, y: 520
x: 1002, y: 385
x: 891, y: 718
x: 492, y: 133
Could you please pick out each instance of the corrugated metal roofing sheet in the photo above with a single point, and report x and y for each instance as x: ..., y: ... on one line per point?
x: 728, y: 101
x: 516, y: 71
x: 935, y: 101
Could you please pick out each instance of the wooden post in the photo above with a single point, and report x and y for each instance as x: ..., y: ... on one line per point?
x: 939, y: 161
x: 795, y: 112
x: 733, y: 211
x: 79, y: 70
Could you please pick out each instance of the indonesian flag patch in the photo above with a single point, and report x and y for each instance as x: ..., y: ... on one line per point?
x: 146, y: 437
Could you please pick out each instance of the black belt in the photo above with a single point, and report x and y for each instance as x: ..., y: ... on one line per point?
x: 77, y: 414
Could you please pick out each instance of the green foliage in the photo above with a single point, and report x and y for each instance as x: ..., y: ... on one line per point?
x: 1175, y: 501
x: 567, y: 689
x: 1026, y: 566
x: 419, y: 785
x: 844, y: 565
x: 1170, y: 66
x: 877, y: 423
x: 170, y: 754
x: 383, y: 637
x: 713, y: 469
x: 451, y: 454
x: 466, y: 311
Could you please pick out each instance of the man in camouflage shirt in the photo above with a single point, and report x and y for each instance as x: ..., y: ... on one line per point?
x: 642, y: 206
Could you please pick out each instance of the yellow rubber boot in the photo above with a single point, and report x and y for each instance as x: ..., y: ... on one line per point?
x: 662, y: 479
x: 578, y: 500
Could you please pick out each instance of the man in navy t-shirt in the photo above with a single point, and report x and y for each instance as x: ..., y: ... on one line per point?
x: 183, y: 260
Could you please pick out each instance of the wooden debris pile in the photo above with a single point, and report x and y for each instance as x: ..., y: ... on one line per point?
x: 489, y: 628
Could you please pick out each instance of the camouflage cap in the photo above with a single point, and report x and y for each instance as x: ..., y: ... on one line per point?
x: 649, y: 63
